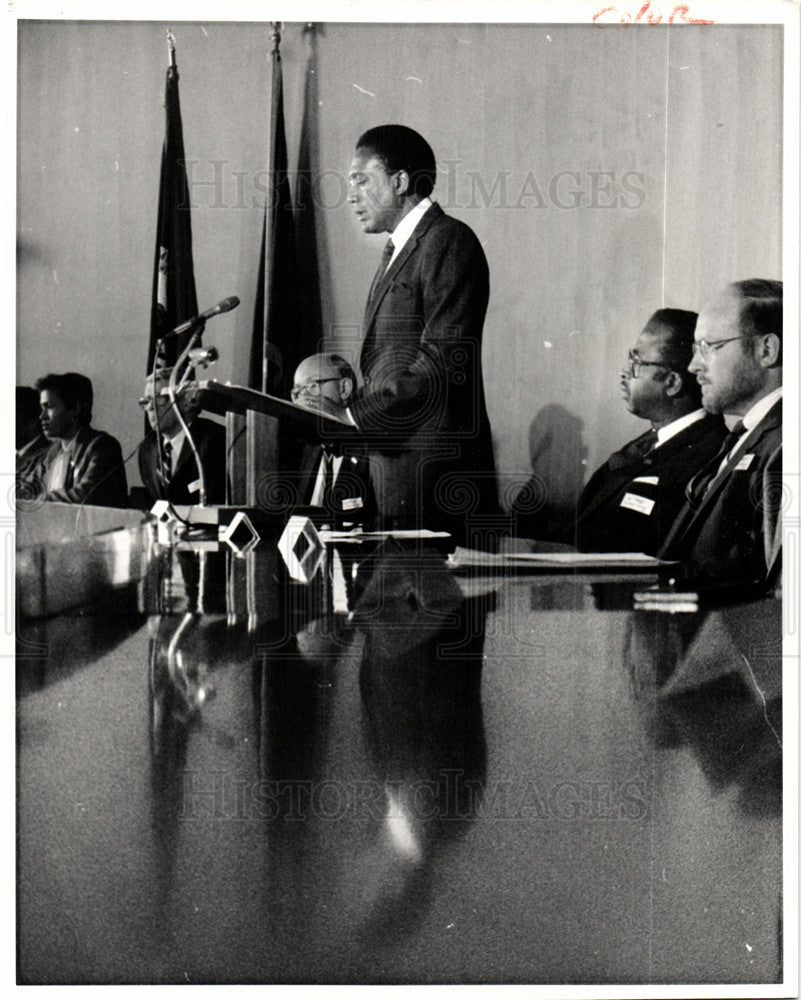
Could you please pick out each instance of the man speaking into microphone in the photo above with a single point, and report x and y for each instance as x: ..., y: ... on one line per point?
x: 167, y: 463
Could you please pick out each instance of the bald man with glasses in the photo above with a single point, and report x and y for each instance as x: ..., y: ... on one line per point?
x: 334, y: 479
x: 730, y: 528
x: 630, y: 503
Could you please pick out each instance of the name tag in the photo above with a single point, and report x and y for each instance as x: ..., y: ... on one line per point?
x: 650, y: 480
x: 744, y: 463
x: 641, y: 504
x: 352, y: 503
x: 194, y: 487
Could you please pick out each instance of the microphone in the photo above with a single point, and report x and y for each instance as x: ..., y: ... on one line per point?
x: 203, y: 356
x: 222, y: 307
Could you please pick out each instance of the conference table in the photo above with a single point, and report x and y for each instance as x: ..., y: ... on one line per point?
x: 400, y: 771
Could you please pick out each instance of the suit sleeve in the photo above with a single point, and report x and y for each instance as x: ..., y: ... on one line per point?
x: 100, y: 478
x: 429, y: 334
x: 772, y: 507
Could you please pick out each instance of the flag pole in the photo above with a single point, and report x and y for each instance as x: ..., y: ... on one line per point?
x: 275, y: 38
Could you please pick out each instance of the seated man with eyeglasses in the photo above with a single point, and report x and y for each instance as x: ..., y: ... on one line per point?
x: 630, y: 503
x: 336, y: 479
x: 167, y: 463
x: 730, y: 528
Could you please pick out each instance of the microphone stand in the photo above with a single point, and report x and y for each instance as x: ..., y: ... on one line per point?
x: 157, y: 418
x: 171, y: 392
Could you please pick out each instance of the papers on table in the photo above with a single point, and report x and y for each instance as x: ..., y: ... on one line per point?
x: 357, y: 535
x: 462, y: 558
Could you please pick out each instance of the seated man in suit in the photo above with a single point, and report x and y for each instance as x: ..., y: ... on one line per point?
x: 630, y: 503
x: 31, y: 442
x: 730, y: 527
x: 335, y: 478
x: 81, y: 465
x: 166, y: 461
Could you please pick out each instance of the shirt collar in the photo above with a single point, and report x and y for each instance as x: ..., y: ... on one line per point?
x: 67, y: 445
x: 176, y: 441
x: 759, y: 409
x: 675, y: 426
x: 407, y: 225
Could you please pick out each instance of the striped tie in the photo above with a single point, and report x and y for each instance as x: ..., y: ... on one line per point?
x: 164, y: 468
x: 386, y: 257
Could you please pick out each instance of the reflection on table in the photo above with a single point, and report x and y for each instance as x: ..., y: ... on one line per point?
x: 397, y: 773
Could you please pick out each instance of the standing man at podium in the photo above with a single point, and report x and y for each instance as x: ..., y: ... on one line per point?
x: 421, y: 406
x: 166, y: 462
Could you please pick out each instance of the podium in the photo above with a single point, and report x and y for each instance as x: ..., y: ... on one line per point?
x: 252, y: 456
x: 316, y: 428
x: 259, y: 488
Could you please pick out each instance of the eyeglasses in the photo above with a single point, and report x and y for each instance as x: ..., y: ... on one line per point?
x: 704, y: 347
x: 635, y: 364
x: 149, y: 402
x: 313, y: 387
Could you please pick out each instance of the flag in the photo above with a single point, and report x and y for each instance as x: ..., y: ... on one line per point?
x: 276, y: 348
x: 173, y: 297
x: 311, y: 311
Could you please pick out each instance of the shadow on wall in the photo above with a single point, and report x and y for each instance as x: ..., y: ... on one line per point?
x: 546, y: 503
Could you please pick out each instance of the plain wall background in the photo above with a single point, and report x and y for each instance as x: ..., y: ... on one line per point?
x: 694, y: 112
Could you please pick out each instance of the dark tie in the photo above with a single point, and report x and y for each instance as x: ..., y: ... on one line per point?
x: 731, y: 439
x: 328, y: 481
x: 164, y: 471
x: 700, y: 483
x: 646, y: 443
x: 633, y: 452
x: 386, y: 256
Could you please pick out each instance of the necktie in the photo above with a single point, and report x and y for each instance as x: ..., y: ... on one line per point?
x: 731, y: 439
x: 699, y: 484
x: 386, y: 256
x: 164, y: 469
x: 646, y: 443
x: 633, y: 452
x: 328, y: 482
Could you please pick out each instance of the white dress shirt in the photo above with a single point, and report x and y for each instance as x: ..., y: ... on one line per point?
x: 57, y: 473
x: 675, y: 426
x: 406, y: 226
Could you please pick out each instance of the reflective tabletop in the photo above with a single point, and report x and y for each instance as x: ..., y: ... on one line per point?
x: 398, y: 774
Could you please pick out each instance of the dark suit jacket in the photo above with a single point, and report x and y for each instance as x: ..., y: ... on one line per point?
x: 96, y: 474
x: 210, y: 442
x: 732, y: 532
x: 422, y: 403
x: 631, y: 501
x: 352, y: 492
x: 29, y: 456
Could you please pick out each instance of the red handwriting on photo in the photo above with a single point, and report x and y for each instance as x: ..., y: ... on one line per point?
x: 647, y: 14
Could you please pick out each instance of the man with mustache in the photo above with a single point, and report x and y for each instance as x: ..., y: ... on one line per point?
x: 730, y: 528
x: 630, y: 503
